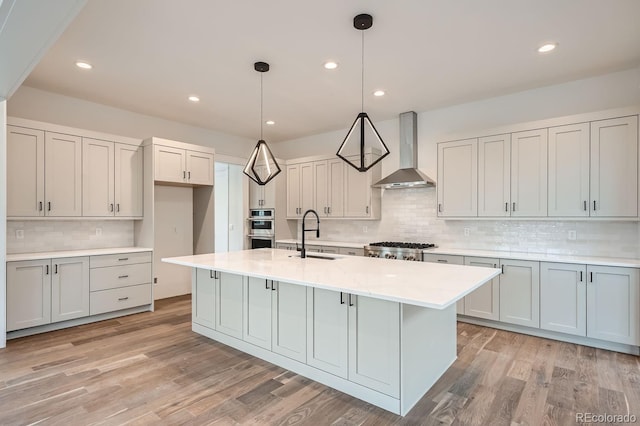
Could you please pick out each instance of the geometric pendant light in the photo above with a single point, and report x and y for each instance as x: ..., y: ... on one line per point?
x: 262, y: 165
x: 363, y: 146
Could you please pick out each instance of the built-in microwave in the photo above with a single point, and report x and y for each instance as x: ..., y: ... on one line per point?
x: 261, y: 223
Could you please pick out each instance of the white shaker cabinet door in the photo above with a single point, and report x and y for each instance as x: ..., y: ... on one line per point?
x: 374, y: 344
x: 569, y: 171
x: 28, y: 294
x: 200, y: 168
x: 563, y: 298
x: 320, y: 178
x: 69, y: 288
x: 294, y: 205
x: 529, y: 173
x: 484, y: 302
x: 25, y: 172
x: 63, y: 175
x: 520, y: 292
x: 289, y: 321
x: 494, y: 175
x: 613, y: 304
x: 257, y: 311
x: 128, y: 180
x: 204, y: 298
x: 458, y: 178
x: 327, y: 331
x: 98, y: 190
x: 170, y: 164
x: 229, y: 304
x: 336, y: 187
x: 614, y: 167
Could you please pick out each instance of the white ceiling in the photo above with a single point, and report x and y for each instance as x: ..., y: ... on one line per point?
x: 149, y: 55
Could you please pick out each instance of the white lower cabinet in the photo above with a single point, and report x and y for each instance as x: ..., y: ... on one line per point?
x: 355, y: 337
x: 485, y: 301
x: 28, y: 294
x: 69, y: 288
x: 229, y: 313
x: 613, y: 304
x: 203, y: 311
x: 289, y: 333
x: 520, y: 292
x: 257, y: 311
x: 447, y: 259
x: 563, y: 298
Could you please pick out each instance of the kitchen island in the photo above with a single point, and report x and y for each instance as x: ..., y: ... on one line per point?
x: 379, y: 330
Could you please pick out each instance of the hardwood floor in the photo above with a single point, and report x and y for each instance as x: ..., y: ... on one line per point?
x: 150, y: 368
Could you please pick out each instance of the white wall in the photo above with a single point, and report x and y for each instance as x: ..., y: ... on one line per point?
x: 50, y: 107
x: 3, y: 222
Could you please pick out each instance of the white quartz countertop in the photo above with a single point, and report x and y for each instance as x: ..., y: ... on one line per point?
x: 316, y: 242
x: 540, y: 257
x: 73, y: 253
x: 417, y: 283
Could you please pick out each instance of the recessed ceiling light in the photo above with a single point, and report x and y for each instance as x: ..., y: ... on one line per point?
x: 547, y: 47
x: 193, y: 98
x: 84, y: 65
x: 378, y: 93
x: 330, y: 65
x: 270, y: 122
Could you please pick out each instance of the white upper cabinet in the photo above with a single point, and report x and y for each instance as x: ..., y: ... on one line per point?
x: 494, y: 175
x: 458, y: 178
x: 63, y: 175
x: 98, y: 182
x: 529, y: 173
x: 263, y: 196
x: 300, y: 189
x: 128, y: 180
x: 614, y: 167
x: 25, y: 172
x: 174, y: 164
x: 329, y: 187
x: 358, y: 193
x: 569, y: 170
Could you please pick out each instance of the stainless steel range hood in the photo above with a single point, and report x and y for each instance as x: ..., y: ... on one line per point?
x: 408, y: 176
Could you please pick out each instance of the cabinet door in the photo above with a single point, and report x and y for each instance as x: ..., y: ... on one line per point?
x: 321, y: 179
x: 28, y: 294
x: 335, y: 187
x: 357, y: 195
x: 97, y: 178
x: 374, y: 344
x: 63, y: 174
x: 447, y: 258
x: 569, y: 170
x: 458, y: 178
x: 289, y: 320
x: 229, y: 289
x: 563, y: 298
x: 200, y: 168
x: 170, y: 164
x: 256, y: 194
x: 307, y: 187
x: 484, y: 302
x: 529, y: 173
x: 25, y: 172
x: 327, y: 331
x: 293, y: 191
x: 520, y: 292
x: 69, y: 288
x: 257, y: 311
x: 613, y: 302
x: 204, y: 298
x: 128, y: 180
x: 614, y: 167
x: 494, y: 175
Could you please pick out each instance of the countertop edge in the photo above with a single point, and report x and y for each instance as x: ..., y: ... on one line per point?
x: 18, y: 257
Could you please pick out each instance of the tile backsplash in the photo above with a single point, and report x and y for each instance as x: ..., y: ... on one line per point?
x: 56, y: 235
x: 410, y: 215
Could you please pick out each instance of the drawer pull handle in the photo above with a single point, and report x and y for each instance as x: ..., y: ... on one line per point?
x: 121, y: 299
x: 443, y: 261
x: 122, y: 259
x: 123, y: 276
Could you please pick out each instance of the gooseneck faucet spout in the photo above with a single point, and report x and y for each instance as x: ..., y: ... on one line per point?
x: 303, y: 252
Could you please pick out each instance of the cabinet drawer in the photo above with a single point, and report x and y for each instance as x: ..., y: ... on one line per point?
x: 443, y: 258
x: 119, y: 298
x: 352, y: 251
x: 119, y: 259
x: 119, y: 276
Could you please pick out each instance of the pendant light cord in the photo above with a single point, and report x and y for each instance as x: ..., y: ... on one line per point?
x: 261, y: 96
x: 362, y: 78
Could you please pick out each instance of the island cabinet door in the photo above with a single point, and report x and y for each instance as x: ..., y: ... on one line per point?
x: 520, y: 292
x: 289, y: 320
x: 563, y: 298
x: 228, y: 298
x: 484, y: 302
x: 327, y: 331
x: 374, y: 344
x: 257, y: 311
x: 204, y: 298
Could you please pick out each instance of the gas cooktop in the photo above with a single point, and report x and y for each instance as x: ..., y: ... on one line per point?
x: 418, y: 246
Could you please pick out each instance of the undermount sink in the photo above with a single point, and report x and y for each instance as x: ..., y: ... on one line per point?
x: 315, y: 256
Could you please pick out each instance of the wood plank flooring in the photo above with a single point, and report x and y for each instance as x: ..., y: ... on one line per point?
x: 150, y: 369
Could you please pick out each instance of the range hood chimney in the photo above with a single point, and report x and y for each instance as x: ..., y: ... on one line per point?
x: 408, y: 176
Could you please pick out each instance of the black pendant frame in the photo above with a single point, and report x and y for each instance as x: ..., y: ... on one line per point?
x: 361, y: 167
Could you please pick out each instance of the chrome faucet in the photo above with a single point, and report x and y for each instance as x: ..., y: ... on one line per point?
x: 303, y: 252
